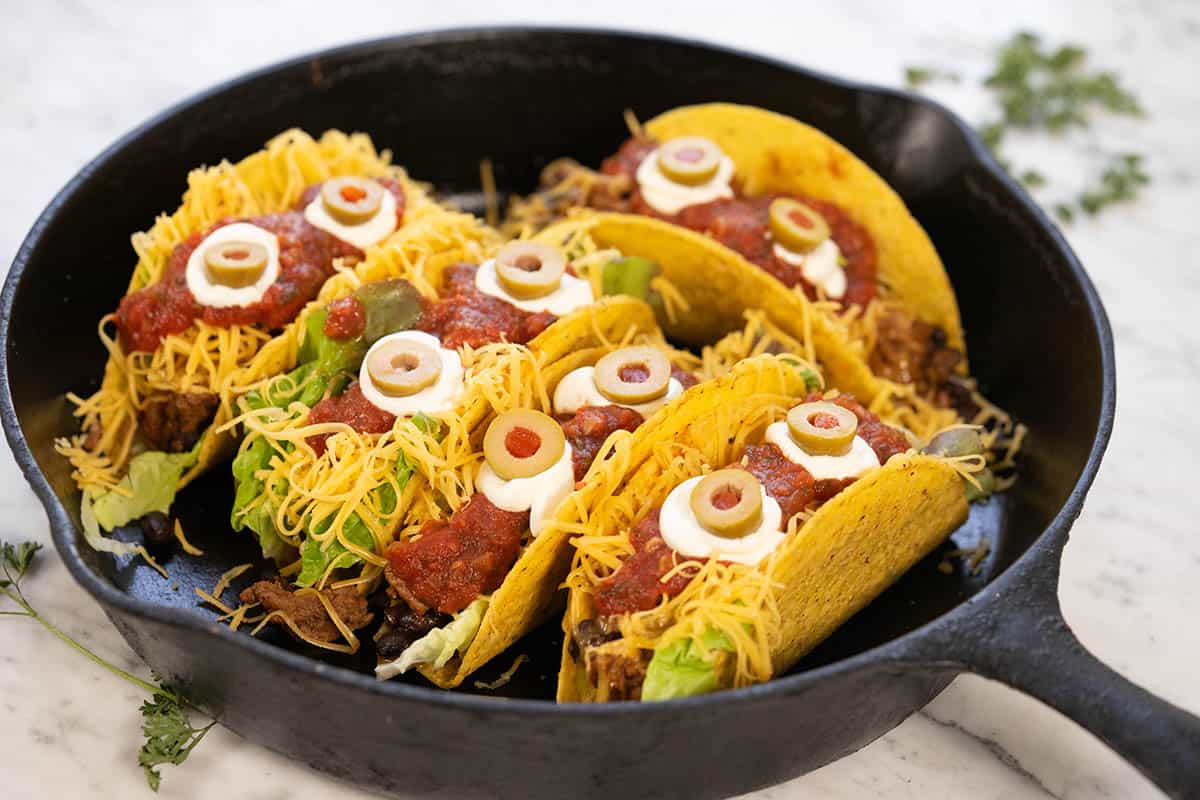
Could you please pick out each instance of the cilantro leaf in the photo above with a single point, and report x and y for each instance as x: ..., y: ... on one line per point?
x: 170, y: 735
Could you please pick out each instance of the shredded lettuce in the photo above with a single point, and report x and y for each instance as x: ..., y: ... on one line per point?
x: 439, y: 645
x: 149, y: 485
x: 317, y: 558
x: 92, y: 535
x: 685, y: 667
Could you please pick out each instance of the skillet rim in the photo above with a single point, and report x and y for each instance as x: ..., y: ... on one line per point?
x: 1048, y: 543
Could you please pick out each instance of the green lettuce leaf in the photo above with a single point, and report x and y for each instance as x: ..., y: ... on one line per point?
x: 247, y: 486
x: 439, y: 645
x: 149, y: 485
x: 629, y: 276
x: 685, y: 667
x: 316, y: 557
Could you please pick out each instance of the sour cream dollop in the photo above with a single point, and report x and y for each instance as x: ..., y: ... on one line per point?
x: 216, y: 295
x: 821, y: 266
x: 539, y: 494
x: 684, y: 533
x: 851, y: 464
x: 578, y: 390
x: 443, y: 395
x: 668, y: 197
x: 362, y: 235
x: 572, y: 293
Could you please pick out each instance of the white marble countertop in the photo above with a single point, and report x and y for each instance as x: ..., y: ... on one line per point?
x: 76, y: 74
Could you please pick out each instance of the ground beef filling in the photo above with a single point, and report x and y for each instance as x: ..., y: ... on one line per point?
x: 467, y: 316
x: 590, y: 427
x: 173, y: 423
x: 452, y: 562
x: 911, y: 351
x: 741, y: 224
x: 352, y: 408
x: 307, y: 611
x: 637, y: 584
x: 306, y: 256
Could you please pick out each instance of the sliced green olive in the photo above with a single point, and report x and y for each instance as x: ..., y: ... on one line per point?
x: 351, y: 200
x: 690, y: 160
x: 401, y: 367
x: 728, y: 503
x: 955, y: 442
x: 235, y: 264
x: 633, y: 375
x: 822, y: 428
x: 521, y: 443
x: 796, y: 226
x: 530, y: 269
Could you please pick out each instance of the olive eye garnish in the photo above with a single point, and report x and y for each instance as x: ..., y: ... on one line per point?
x: 530, y: 269
x: 633, y: 375
x: 822, y: 428
x: 522, y: 443
x: 235, y: 264
x: 690, y: 160
x: 400, y: 368
x: 796, y: 226
x: 728, y: 503
x: 351, y: 200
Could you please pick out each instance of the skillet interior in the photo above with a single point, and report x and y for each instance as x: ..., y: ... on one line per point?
x: 522, y: 98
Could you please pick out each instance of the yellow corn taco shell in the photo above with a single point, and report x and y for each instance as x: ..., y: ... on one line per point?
x: 840, y: 559
x: 776, y: 153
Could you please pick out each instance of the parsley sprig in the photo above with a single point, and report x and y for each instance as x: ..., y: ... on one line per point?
x: 170, y: 735
x: 1041, y: 88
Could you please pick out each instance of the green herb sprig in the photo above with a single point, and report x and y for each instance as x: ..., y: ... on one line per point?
x: 170, y: 735
x: 1039, y: 88
x: 916, y: 77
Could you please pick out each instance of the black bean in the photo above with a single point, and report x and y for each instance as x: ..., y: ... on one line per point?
x: 157, y: 530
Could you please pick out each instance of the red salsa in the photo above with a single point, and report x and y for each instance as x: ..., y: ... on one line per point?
x: 352, y: 408
x: 346, y: 319
x: 454, y: 561
x: 590, y: 427
x: 741, y: 224
x: 467, y: 316
x: 637, y: 585
x: 306, y: 255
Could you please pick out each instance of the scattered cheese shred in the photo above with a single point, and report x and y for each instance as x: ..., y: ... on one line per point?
x: 505, y: 677
x: 187, y: 546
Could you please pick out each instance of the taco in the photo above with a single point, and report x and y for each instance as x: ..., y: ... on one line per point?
x: 215, y: 282
x: 761, y: 516
x: 764, y: 189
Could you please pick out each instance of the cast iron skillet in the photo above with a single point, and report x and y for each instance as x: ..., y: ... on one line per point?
x: 1038, y: 339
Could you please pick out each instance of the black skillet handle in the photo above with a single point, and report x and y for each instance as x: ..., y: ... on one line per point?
x: 1023, y: 641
